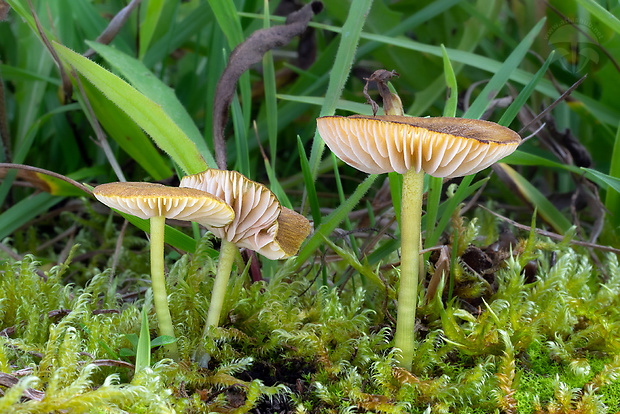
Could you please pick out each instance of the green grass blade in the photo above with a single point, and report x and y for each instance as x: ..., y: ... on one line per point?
x: 453, y: 92
x: 147, y: 28
x: 514, y: 108
x: 546, y: 210
x: 355, y: 107
x: 330, y: 222
x: 153, y: 88
x: 241, y: 141
x: 612, y: 199
x: 606, y: 181
x: 228, y: 19
x: 271, y: 104
x: 520, y: 157
x: 24, y: 211
x: 143, y: 349
x: 147, y: 114
x: 129, y: 136
x: 340, y: 71
x: 313, y: 200
x: 500, y: 77
x: 602, y: 14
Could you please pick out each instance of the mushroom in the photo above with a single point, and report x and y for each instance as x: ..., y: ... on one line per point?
x: 441, y: 147
x: 260, y: 224
x: 158, y: 202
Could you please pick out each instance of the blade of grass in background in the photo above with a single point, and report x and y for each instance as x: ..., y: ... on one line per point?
x: 148, y: 25
x: 143, y: 350
x: 546, y: 210
x: 153, y: 88
x: 612, y: 199
x: 435, y: 184
x: 331, y: 221
x: 340, y: 71
x: 313, y: 200
x: 120, y: 127
x: 514, y: 108
x: 147, y: 114
x: 500, y: 77
x: 525, y: 158
x: 227, y: 18
x: 271, y: 104
x: 24, y: 211
x: 602, y: 14
x: 241, y: 141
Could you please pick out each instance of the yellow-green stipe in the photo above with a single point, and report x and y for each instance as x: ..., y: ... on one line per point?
x: 158, y: 284
x: 227, y: 257
x: 410, y: 219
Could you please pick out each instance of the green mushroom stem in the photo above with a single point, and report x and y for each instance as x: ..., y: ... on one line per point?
x: 158, y: 284
x: 228, y: 251
x: 410, y: 218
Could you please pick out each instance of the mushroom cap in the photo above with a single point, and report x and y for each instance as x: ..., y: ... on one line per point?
x: 146, y: 200
x: 260, y: 223
x: 442, y: 146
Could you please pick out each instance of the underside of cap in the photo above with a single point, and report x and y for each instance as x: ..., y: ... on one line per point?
x: 146, y: 200
x: 260, y: 223
x: 442, y: 147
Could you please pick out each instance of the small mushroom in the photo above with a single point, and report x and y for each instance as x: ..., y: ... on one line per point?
x: 442, y: 147
x: 158, y: 202
x: 260, y: 224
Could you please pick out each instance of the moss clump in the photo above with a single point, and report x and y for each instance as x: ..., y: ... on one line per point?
x: 530, y: 348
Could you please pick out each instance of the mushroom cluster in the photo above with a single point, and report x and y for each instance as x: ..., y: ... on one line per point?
x: 441, y: 147
x: 239, y: 211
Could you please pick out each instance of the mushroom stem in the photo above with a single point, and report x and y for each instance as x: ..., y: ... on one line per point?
x: 227, y: 257
x: 410, y: 216
x: 158, y: 284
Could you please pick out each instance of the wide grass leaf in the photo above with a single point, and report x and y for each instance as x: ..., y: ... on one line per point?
x: 149, y: 115
x: 153, y: 88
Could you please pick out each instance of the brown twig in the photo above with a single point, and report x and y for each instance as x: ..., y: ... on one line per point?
x: 555, y: 103
x: 50, y: 173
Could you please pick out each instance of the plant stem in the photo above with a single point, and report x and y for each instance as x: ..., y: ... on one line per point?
x: 410, y: 218
x: 158, y: 284
x: 227, y: 257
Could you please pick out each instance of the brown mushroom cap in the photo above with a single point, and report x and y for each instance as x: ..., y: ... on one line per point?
x: 146, y: 200
x: 260, y: 223
x: 442, y: 147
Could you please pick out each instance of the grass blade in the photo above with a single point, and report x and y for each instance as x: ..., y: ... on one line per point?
x: 331, y: 221
x: 602, y: 14
x: 514, y: 108
x: 147, y: 28
x: 313, y: 200
x: 153, y: 88
x: 340, y: 71
x: 146, y: 113
x: 143, y: 349
x: 612, y: 199
x: 498, y: 80
x: 546, y: 210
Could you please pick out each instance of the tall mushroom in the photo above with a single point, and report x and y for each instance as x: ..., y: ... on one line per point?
x: 441, y: 147
x: 158, y: 202
x: 260, y: 224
